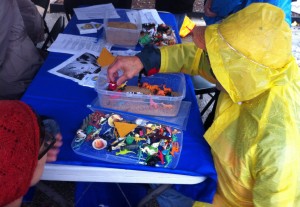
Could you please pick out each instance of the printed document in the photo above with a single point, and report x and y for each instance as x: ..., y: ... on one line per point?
x: 96, y: 12
x: 72, y: 44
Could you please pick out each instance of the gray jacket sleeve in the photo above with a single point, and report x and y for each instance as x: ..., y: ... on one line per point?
x: 6, y: 19
x: 32, y: 19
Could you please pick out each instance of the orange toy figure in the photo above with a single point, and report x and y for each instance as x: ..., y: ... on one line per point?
x: 153, y: 88
x: 160, y: 93
x: 175, y: 148
x: 167, y: 91
x: 167, y: 106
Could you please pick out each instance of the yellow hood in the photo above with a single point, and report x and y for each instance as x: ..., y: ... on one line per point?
x: 248, y: 54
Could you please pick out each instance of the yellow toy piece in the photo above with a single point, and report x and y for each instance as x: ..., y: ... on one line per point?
x: 187, y: 27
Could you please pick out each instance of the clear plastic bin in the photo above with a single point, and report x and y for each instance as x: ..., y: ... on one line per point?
x: 122, y: 37
x: 128, y: 139
x: 154, y: 105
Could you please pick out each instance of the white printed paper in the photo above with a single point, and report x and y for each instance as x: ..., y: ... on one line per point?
x: 96, y: 12
x: 72, y: 44
x: 148, y: 16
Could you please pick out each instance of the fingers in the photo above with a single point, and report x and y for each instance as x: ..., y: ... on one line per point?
x: 199, y: 36
x: 54, y: 151
x: 207, y: 9
x: 130, y: 66
x: 58, y: 142
x: 52, y: 154
x: 112, y: 70
x: 209, y: 13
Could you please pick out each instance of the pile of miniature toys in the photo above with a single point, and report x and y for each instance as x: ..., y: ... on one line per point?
x: 159, y: 35
x: 128, y: 140
x: 143, y: 88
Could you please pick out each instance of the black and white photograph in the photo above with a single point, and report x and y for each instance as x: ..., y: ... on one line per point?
x: 78, y: 66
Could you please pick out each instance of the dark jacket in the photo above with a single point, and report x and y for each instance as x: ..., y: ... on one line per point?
x: 175, y: 6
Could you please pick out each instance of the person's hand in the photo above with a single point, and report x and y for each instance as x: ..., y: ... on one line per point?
x: 130, y: 66
x: 198, y: 35
x: 54, y: 151
x: 207, y: 9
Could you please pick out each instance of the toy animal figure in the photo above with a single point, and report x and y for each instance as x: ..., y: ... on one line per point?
x: 122, y: 86
x: 160, y: 93
x: 124, y: 152
x: 112, y: 86
x: 129, y: 139
x: 174, y: 137
x: 167, y: 91
x: 131, y: 147
x: 152, y: 160
x: 152, y: 88
x: 137, y: 138
x: 152, y: 149
x: 175, y: 148
x: 168, y: 159
x: 167, y: 106
x: 93, y: 134
x: 140, y: 154
x: 80, y: 136
x: 119, y: 145
x: 97, y: 119
x: 161, y: 157
x: 153, y: 104
x: 156, y: 137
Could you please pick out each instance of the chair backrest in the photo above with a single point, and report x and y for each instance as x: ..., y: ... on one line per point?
x: 70, y: 4
x: 201, y: 84
x: 202, y: 87
x: 44, y: 4
x: 57, y: 28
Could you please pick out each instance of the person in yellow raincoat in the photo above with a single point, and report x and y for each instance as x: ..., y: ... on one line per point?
x: 255, y: 136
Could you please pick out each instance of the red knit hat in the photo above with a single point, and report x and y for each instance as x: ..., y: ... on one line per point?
x: 19, y: 148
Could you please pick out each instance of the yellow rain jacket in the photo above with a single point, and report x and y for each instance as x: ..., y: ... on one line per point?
x: 255, y: 137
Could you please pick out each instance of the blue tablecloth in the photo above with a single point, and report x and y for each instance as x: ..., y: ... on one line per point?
x: 66, y: 101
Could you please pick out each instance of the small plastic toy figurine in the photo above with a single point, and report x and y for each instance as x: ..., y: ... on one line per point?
x: 112, y: 86
x: 139, y: 140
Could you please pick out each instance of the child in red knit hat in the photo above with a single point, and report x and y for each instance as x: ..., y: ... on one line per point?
x: 25, y: 140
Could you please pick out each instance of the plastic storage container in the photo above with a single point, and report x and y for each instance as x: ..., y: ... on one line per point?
x: 122, y: 37
x: 179, y: 121
x: 141, y: 103
x: 127, y: 139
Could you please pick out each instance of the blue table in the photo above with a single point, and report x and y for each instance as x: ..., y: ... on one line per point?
x: 66, y: 101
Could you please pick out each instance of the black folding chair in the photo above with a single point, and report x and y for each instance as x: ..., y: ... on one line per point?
x: 57, y: 28
x: 201, y: 87
x: 43, y: 4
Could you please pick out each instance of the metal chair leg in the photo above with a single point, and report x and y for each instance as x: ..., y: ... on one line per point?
x: 153, y: 194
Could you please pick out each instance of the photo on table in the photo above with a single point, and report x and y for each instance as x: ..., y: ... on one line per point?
x: 78, y: 66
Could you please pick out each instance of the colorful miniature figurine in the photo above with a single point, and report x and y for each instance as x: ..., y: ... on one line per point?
x: 112, y: 86
x: 121, y: 87
x: 124, y: 152
x: 175, y: 148
x: 147, y: 143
